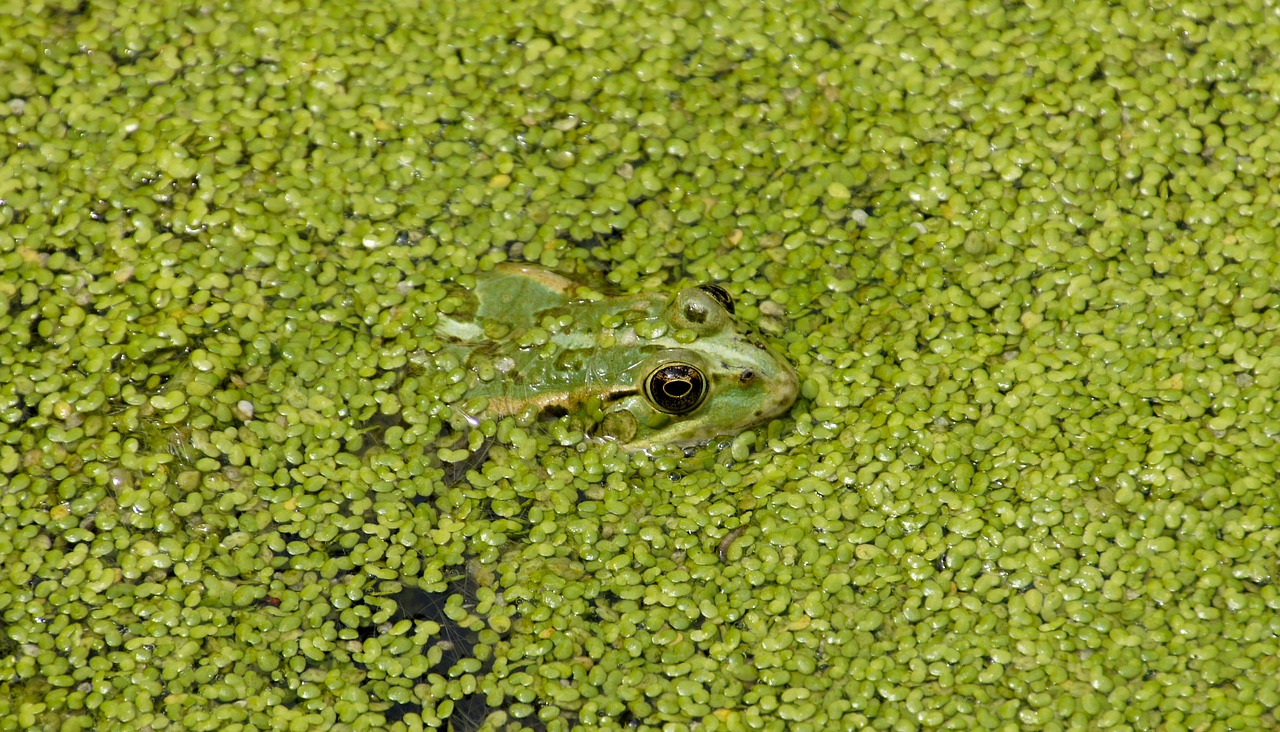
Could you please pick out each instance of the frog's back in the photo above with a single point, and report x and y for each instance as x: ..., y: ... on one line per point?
x: 514, y: 294
x: 511, y: 296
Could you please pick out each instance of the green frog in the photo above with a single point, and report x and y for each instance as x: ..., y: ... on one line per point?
x: 647, y: 369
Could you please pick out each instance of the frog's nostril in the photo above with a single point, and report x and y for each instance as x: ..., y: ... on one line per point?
x: 746, y: 377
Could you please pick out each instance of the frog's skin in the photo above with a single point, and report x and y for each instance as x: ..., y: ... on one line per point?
x: 649, y: 369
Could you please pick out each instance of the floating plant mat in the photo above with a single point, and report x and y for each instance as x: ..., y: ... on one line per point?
x: 1022, y: 257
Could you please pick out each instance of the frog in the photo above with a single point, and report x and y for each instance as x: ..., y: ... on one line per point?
x: 649, y: 368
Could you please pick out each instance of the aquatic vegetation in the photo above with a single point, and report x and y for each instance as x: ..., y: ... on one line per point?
x: 1022, y: 258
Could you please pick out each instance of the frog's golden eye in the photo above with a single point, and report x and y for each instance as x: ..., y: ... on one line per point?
x: 676, y: 388
x: 720, y: 295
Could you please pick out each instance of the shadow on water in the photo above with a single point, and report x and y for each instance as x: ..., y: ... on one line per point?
x: 455, y: 642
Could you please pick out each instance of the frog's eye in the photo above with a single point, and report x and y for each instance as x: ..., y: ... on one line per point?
x: 676, y: 388
x: 720, y: 295
x: 695, y: 312
x: 699, y: 310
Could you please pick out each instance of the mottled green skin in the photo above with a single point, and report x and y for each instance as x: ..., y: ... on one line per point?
x: 532, y: 339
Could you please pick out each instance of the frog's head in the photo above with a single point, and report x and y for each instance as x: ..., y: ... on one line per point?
x: 704, y: 378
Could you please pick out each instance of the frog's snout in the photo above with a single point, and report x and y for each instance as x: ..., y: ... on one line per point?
x: 788, y: 387
x: 783, y: 384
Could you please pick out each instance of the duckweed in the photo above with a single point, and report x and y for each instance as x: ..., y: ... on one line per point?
x: 1022, y: 257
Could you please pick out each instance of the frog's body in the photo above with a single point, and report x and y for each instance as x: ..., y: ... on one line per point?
x: 660, y: 369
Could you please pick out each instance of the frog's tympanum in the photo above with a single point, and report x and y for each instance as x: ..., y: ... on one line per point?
x: 649, y: 369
